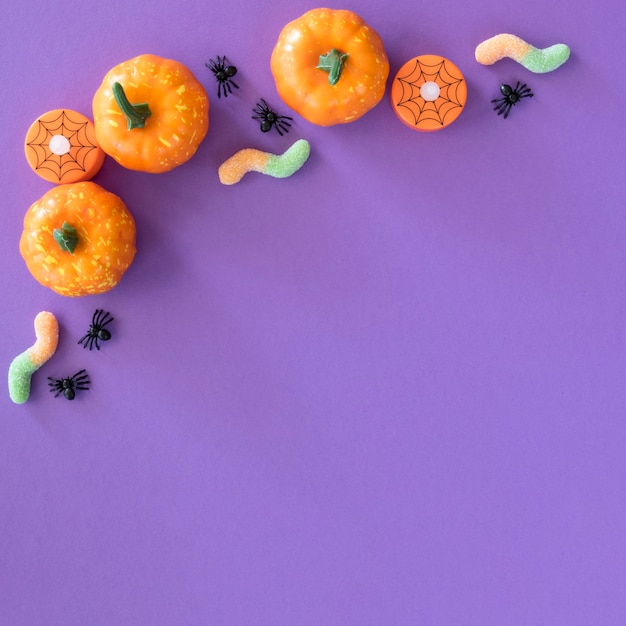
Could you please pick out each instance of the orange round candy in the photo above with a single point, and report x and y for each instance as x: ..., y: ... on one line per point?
x: 428, y: 93
x: 61, y: 147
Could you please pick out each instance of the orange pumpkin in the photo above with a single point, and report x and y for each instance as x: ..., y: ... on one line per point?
x: 78, y: 239
x: 150, y: 114
x: 330, y: 66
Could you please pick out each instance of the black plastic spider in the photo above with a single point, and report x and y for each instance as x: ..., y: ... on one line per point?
x: 69, y: 386
x: 224, y: 74
x: 97, y: 331
x: 510, y: 97
x: 270, y: 118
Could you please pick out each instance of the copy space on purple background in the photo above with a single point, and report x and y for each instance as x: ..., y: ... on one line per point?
x: 389, y: 390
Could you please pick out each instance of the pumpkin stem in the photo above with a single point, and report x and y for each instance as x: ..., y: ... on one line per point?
x: 66, y: 237
x: 332, y: 62
x: 136, y: 114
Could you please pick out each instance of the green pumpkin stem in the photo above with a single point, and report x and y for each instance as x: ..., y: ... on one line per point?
x: 66, y: 237
x: 136, y: 114
x: 332, y: 62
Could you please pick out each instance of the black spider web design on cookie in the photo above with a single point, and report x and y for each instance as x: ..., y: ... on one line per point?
x: 75, y: 131
x: 436, y: 110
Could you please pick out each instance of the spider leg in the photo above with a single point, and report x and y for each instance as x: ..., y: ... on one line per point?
x: 89, y: 337
x: 55, y: 385
x: 525, y: 92
x: 106, y: 319
x: 282, y: 126
x: 80, y: 376
x: 501, y: 104
x: 229, y: 84
x: 217, y: 64
x: 268, y: 109
x: 504, y: 108
x: 261, y: 108
x: 97, y: 317
x: 81, y: 382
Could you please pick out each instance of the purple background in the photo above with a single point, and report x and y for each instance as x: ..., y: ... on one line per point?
x: 387, y: 390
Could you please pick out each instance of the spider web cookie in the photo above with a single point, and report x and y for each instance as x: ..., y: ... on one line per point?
x: 429, y: 92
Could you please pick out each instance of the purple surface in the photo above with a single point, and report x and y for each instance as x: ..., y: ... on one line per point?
x: 387, y: 390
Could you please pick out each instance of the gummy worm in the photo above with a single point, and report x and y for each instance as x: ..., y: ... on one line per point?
x: 534, y: 59
x: 24, y: 365
x: 251, y: 160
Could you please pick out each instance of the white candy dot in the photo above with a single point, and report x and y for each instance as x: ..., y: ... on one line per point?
x: 430, y: 91
x: 59, y: 145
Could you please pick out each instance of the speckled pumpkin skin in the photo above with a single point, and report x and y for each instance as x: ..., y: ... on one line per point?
x: 106, y: 239
x: 179, y: 120
x: 305, y: 88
